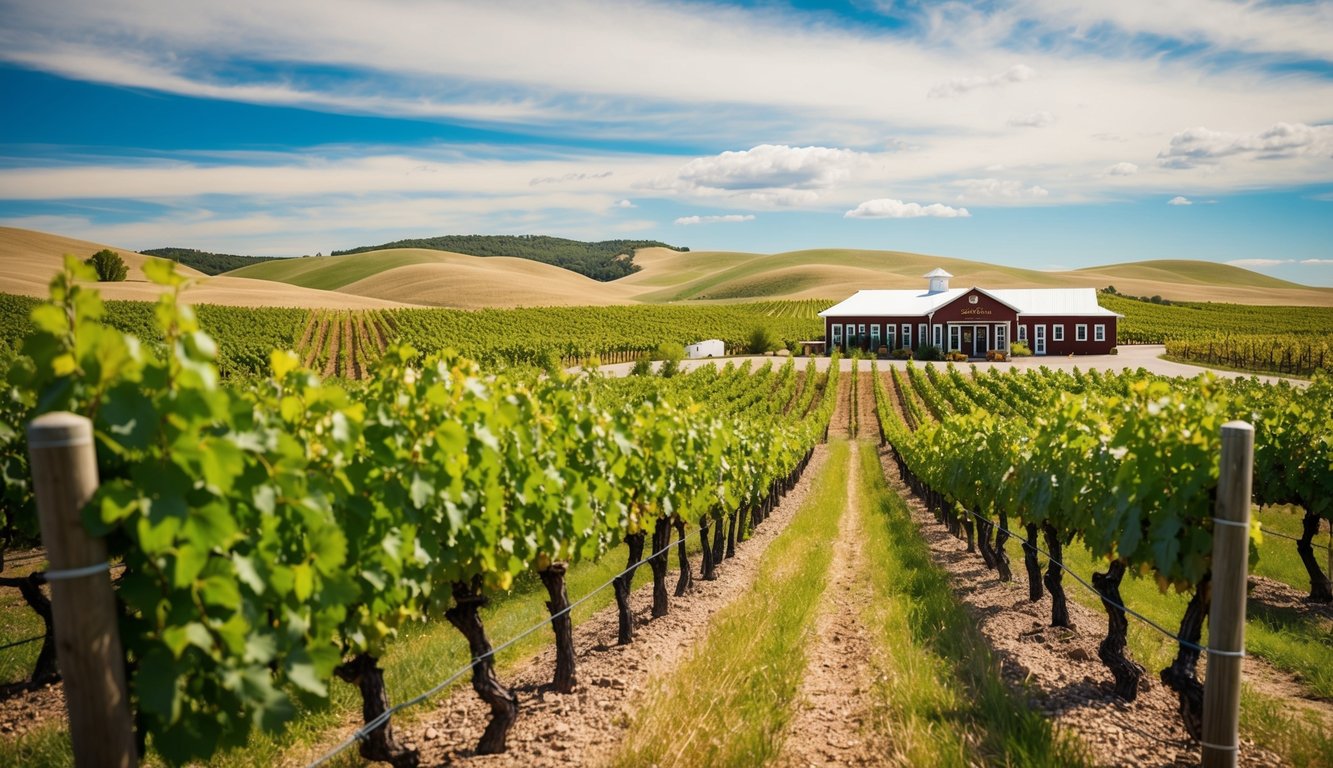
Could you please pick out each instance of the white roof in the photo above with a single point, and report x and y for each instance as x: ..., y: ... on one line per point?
x: 1028, y: 301
x: 937, y: 272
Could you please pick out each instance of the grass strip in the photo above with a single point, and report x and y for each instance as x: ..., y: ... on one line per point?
x: 939, y: 699
x: 729, y: 703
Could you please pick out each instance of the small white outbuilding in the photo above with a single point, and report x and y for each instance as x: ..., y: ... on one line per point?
x: 707, y: 348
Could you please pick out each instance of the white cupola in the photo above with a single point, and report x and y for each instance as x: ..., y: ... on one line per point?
x: 939, y: 280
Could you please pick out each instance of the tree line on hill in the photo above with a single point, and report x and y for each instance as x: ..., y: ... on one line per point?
x: 208, y: 263
x: 605, y: 261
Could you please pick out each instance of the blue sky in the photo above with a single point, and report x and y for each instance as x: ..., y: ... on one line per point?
x: 1040, y: 133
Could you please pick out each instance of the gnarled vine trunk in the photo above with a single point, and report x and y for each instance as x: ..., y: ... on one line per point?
x: 465, y: 615
x: 968, y: 527
x: 553, y: 578
x: 1320, y: 590
x: 1030, y: 563
x: 707, y: 572
x: 719, y: 541
x: 30, y: 588
x: 622, y: 585
x: 380, y: 745
x: 1054, y: 579
x: 686, y: 580
x: 1181, y: 676
x: 731, y: 532
x: 983, y: 540
x: 1111, y: 651
x: 1001, y: 557
x: 658, y: 562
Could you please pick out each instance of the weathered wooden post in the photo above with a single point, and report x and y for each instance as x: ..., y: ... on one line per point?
x: 92, y: 664
x: 1226, y: 619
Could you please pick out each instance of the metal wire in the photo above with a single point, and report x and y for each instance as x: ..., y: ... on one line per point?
x: 370, y: 727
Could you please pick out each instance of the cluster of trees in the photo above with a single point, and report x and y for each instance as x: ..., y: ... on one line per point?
x: 208, y: 263
x: 605, y: 260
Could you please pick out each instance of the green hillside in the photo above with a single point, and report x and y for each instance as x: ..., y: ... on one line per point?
x: 604, y: 260
x: 1184, y: 271
x: 330, y: 273
x: 206, y: 262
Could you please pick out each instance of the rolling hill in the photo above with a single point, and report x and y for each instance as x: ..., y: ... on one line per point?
x: 29, y: 259
x: 423, y: 277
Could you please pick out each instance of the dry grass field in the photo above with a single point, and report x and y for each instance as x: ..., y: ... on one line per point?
x: 437, y: 278
x: 29, y: 259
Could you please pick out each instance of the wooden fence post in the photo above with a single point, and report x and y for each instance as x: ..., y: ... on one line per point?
x: 1226, y: 620
x: 88, y: 651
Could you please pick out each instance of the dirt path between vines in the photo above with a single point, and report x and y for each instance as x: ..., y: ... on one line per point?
x: 586, y: 727
x: 1059, y: 669
x: 832, y: 707
x: 840, y: 425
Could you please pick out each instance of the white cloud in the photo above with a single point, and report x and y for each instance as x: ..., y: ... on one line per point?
x: 999, y: 189
x: 1180, y: 200
x: 731, y: 218
x: 1201, y: 145
x: 568, y: 177
x: 1034, y: 120
x: 1299, y: 30
x: 887, y: 208
x: 1122, y: 169
x: 1314, y: 262
x: 958, y: 86
x: 623, y: 204
x: 1252, y: 263
x: 770, y: 166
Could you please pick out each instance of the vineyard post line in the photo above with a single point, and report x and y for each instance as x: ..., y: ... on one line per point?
x: 83, y: 606
x: 1226, y: 618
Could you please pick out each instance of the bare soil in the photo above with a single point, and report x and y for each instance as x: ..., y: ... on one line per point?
x: 828, y: 727
x: 585, y: 727
x: 1058, y: 669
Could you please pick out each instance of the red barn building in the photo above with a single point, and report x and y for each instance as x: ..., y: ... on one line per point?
x: 1051, y: 321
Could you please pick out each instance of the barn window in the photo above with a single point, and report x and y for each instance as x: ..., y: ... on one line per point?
x: 874, y: 335
x: 972, y: 299
x: 1081, y: 332
x: 1099, y: 332
x: 907, y: 335
x: 1058, y: 332
x: 1022, y: 333
x: 837, y: 334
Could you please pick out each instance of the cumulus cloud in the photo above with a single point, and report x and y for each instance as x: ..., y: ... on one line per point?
x: 770, y: 166
x: 1034, y: 120
x: 1203, y: 146
x: 999, y: 189
x: 730, y: 218
x: 887, y: 208
x: 1180, y: 200
x: 1122, y: 169
x: 623, y: 204
x: 960, y: 85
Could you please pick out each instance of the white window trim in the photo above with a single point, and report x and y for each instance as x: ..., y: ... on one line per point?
x: 907, y: 336
x: 874, y: 335
x: 1081, y: 332
x: 837, y: 333
x: 1099, y: 332
x: 1023, y: 332
x: 939, y: 335
x: 1058, y: 332
x: 922, y: 334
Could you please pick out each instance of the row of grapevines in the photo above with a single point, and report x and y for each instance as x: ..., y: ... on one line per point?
x: 1301, y: 355
x: 1126, y: 464
x: 276, y: 537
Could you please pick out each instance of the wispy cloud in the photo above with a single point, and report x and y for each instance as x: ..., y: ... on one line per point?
x: 999, y: 189
x: 1252, y: 263
x: 957, y: 86
x: 1122, y: 169
x: 730, y: 218
x: 1034, y: 120
x: 888, y: 208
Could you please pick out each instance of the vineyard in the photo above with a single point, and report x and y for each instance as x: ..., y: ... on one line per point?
x: 1289, y: 354
x: 236, y: 516
x: 281, y: 548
